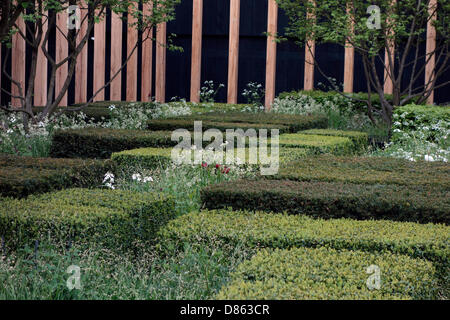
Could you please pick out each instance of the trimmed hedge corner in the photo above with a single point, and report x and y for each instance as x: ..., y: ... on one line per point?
x: 22, y: 176
x: 328, y: 274
x: 332, y: 200
x: 371, y: 170
x: 101, y: 143
x: 360, y: 139
x: 261, y: 229
x: 112, y: 217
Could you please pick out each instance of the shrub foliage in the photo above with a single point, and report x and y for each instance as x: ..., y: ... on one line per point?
x: 371, y: 170
x: 333, y: 200
x: 22, y: 176
x: 328, y: 274
x: 112, y: 217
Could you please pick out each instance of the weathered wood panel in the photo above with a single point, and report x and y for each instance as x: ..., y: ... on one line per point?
x: 147, y: 60
x: 161, y: 55
x: 62, y: 51
x: 116, y: 57
x: 132, y: 38
x: 271, y: 53
x: 18, y: 64
x: 40, y: 84
x: 196, y: 60
x: 233, y: 51
x: 81, y: 69
x: 99, y: 59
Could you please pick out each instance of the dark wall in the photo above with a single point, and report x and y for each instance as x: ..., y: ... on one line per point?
x: 252, y: 54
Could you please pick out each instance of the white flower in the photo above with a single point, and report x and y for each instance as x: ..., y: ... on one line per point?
x: 148, y: 179
x: 428, y: 158
x: 112, y: 107
x: 136, y: 177
x: 109, y: 176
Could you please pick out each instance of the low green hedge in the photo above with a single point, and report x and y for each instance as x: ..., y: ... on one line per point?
x: 150, y: 158
x: 370, y: 170
x: 173, y: 124
x: 262, y: 229
x: 112, y: 217
x: 360, y: 139
x: 418, y: 116
x: 22, y: 176
x: 294, y: 122
x: 328, y: 274
x: 318, y: 143
x: 146, y: 158
x: 332, y: 200
x: 101, y: 143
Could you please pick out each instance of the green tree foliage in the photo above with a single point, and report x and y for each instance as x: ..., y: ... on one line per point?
x: 402, y: 25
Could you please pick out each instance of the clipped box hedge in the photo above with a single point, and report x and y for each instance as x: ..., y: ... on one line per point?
x: 332, y: 200
x: 22, y: 176
x: 111, y: 217
x: 261, y: 229
x: 360, y: 139
x: 101, y: 143
x: 318, y: 143
x: 328, y: 274
x: 150, y: 158
x: 173, y: 124
x: 367, y: 170
x: 295, y: 123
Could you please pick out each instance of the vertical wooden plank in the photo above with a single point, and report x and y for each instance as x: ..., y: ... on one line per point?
x: 82, y: 59
x: 147, y: 58
x: 389, y: 55
x: 310, y: 51
x: 160, y: 85
x: 62, y: 51
x: 196, y: 63
x: 40, y: 85
x: 116, y: 56
x: 271, y: 53
x: 18, y: 63
x: 99, y: 58
x: 349, y: 63
x: 233, y: 51
x: 132, y: 37
x: 431, y: 48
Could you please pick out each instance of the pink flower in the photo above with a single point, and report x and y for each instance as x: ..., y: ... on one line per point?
x: 204, y: 164
x: 217, y: 166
